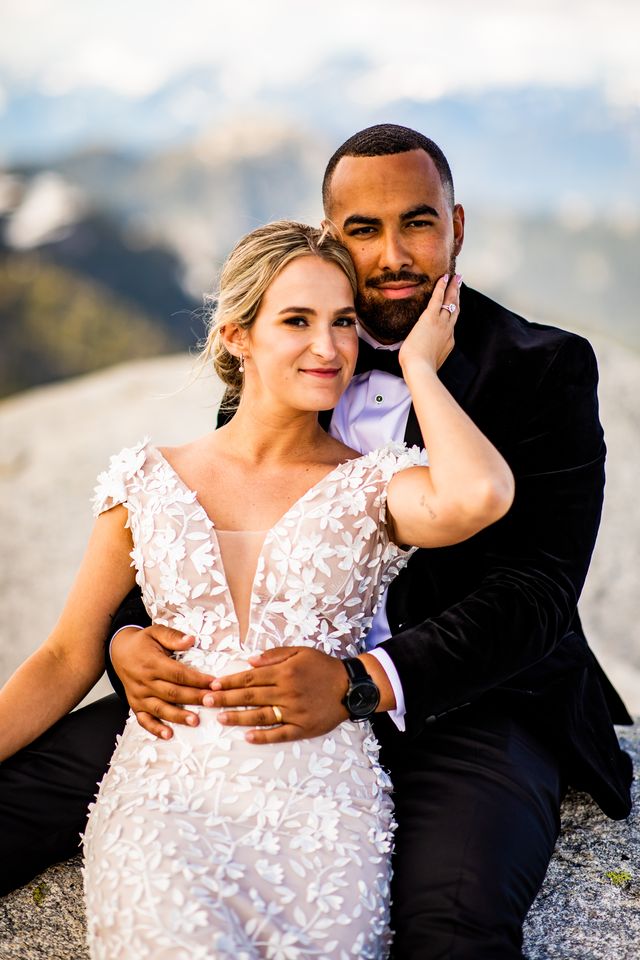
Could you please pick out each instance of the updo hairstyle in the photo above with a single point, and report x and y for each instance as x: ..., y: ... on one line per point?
x: 248, y: 271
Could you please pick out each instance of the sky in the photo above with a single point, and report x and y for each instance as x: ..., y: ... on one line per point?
x: 415, y: 47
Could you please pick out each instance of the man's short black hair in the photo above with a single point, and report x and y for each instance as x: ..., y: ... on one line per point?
x: 385, y: 139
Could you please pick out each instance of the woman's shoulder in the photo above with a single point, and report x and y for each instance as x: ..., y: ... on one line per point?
x: 126, y: 465
x: 199, y: 446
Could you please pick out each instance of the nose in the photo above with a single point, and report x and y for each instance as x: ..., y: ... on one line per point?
x: 394, y: 255
x: 324, y: 343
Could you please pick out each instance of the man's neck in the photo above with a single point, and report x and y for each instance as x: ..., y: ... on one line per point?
x: 364, y: 334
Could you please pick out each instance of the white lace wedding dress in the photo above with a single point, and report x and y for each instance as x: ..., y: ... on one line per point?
x: 206, y: 847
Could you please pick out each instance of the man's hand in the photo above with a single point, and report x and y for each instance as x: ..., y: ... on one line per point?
x: 306, y: 686
x: 155, y: 683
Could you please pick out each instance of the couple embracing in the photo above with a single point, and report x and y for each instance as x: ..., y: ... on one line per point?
x: 317, y: 587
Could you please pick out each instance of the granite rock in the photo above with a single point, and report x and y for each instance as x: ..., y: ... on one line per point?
x: 45, y: 919
x: 588, y: 908
x: 589, y: 905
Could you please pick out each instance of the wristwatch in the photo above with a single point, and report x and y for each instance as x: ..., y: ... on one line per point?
x: 363, y: 696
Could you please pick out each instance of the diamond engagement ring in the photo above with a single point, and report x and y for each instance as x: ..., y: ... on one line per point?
x: 451, y: 307
x: 277, y: 712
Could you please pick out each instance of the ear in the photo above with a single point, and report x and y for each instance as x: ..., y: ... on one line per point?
x: 234, y: 338
x: 458, y: 228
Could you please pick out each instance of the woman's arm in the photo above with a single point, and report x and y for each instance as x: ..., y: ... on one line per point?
x: 468, y: 484
x: 62, y: 671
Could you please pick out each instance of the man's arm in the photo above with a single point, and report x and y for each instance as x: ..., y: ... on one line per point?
x: 131, y: 612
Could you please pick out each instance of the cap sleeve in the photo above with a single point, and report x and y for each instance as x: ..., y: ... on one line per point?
x: 114, y: 483
x: 391, y: 460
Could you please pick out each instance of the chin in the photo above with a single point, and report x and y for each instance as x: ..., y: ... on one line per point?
x: 392, y: 320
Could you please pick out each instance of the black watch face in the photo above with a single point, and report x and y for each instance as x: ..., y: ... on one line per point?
x: 363, y: 699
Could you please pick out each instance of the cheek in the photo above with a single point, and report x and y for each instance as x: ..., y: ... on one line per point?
x: 362, y: 255
x: 433, y: 260
x: 348, y: 348
x: 352, y: 347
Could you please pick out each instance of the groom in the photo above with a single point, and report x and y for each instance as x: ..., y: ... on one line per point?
x: 490, y: 699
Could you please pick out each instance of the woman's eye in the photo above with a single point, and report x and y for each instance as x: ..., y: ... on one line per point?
x: 345, y: 322
x: 296, y: 321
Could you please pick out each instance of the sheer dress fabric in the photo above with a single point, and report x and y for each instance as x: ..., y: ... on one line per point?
x: 206, y: 847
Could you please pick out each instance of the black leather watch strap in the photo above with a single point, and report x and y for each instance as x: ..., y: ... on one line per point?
x: 356, y: 669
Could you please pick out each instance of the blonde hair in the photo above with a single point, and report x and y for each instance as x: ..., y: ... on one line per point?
x: 251, y: 267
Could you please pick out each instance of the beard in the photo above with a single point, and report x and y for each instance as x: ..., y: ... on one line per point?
x: 390, y: 321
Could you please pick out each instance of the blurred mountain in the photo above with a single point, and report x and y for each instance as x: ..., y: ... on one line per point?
x: 524, y: 147
x: 537, y: 149
x: 565, y: 271
x: 55, y: 324
x: 151, y: 228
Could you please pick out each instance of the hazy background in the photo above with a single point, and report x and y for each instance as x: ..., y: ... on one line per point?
x: 139, y: 140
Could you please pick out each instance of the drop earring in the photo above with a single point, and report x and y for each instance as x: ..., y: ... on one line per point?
x: 241, y: 367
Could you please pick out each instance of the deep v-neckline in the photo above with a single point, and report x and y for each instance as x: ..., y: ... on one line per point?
x: 215, y: 541
x: 284, y: 516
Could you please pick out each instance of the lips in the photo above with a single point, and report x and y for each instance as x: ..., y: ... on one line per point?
x: 323, y: 373
x: 398, y: 291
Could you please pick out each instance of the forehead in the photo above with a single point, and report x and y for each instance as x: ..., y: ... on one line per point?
x: 388, y: 185
x: 308, y: 277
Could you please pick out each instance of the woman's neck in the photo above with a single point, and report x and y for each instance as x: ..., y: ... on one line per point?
x: 266, y: 435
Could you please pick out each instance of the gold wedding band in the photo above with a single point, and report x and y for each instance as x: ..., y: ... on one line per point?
x: 277, y: 712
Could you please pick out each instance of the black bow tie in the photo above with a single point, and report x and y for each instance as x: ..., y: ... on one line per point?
x: 369, y: 358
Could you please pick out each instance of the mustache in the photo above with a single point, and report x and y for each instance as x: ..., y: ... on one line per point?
x: 399, y: 277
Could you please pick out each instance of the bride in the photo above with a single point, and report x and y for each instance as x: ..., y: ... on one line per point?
x: 264, y: 533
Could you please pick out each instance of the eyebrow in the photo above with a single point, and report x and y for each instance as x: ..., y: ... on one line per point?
x: 309, y: 312
x: 423, y: 210
x: 420, y: 211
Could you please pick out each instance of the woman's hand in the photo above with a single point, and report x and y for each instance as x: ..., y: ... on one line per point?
x: 432, y: 337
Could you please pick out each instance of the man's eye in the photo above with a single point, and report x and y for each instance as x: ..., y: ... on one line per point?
x: 421, y: 223
x: 361, y: 231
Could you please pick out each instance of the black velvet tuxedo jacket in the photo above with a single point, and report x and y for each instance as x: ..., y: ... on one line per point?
x: 494, y: 620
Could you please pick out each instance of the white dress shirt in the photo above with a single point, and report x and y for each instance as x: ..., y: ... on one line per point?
x: 372, y: 411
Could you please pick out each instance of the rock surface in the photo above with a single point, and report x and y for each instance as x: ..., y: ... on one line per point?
x: 589, y: 905
x: 588, y: 908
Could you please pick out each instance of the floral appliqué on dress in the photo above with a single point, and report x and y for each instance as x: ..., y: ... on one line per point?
x: 206, y: 847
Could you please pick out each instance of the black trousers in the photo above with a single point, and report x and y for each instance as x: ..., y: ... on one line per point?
x: 46, y: 788
x: 477, y: 804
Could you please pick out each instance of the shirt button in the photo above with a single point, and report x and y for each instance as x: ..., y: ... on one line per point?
x: 378, y: 398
